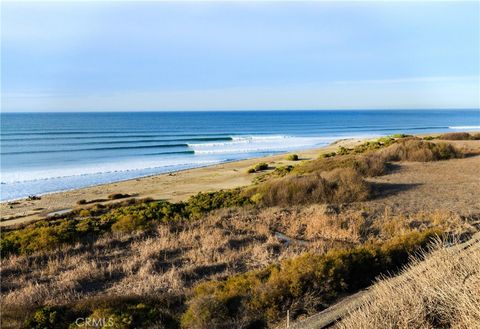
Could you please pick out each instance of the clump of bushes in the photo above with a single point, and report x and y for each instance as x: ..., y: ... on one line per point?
x: 370, y: 165
x: 343, y: 150
x: 202, y: 203
x: 340, y: 185
x: 258, y: 167
x: 81, y: 202
x: 459, y: 136
x: 292, y: 157
x: 110, y: 312
x: 261, y: 166
x: 84, y: 224
x: 374, y: 145
x: 327, y: 155
x: 418, y: 150
x: 305, y: 284
x: 399, y: 136
x: 283, y: 170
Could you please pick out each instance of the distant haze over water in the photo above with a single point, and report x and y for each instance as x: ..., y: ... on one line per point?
x: 47, y: 152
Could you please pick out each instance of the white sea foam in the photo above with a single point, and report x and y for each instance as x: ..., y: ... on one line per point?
x: 464, y: 127
x: 262, y: 144
x: 253, y: 144
x: 97, y: 169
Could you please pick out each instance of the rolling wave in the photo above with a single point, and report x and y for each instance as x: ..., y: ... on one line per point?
x: 464, y: 127
x: 99, y: 149
x: 131, y: 165
x: 259, y: 144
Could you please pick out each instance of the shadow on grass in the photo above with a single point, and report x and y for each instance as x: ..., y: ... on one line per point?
x: 383, y: 190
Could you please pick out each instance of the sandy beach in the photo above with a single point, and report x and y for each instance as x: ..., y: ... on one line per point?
x: 175, y: 186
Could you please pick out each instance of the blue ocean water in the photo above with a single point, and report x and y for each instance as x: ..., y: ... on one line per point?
x: 47, y: 152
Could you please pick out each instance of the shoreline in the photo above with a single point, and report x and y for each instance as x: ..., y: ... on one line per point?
x: 173, y: 185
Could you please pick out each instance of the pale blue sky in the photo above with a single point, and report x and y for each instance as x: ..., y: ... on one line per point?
x: 107, y: 56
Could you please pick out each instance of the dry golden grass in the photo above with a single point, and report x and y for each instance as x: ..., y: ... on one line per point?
x: 171, y: 260
x: 437, y: 290
x: 412, y: 149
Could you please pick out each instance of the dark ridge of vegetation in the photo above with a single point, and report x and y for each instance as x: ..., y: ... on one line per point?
x: 88, y: 224
x: 418, y: 150
x: 302, y: 285
x: 459, y: 136
x: 116, y: 196
x: 340, y: 185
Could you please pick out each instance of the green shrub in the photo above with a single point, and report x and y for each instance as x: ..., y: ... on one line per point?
x: 327, y: 155
x: 374, y: 145
x: 46, y: 318
x: 399, y: 136
x: 262, y: 297
x: 292, y: 157
x: 429, y: 138
x: 82, y: 201
x: 202, y: 203
x: 261, y: 166
x: 109, y: 312
x: 343, y: 150
x: 283, y: 170
x: 251, y: 170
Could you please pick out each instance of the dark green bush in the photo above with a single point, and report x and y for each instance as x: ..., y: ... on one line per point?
x: 202, y: 203
x: 292, y: 157
x: 47, y: 318
x: 261, y: 166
